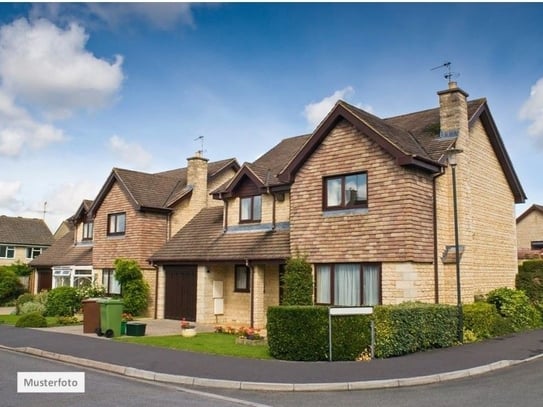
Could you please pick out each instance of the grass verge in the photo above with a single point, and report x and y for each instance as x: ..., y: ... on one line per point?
x: 214, y: 343
x: 12, y: 319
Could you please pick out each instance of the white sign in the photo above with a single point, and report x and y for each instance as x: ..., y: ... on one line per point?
x: 50, y: 382
x: 351, y: 311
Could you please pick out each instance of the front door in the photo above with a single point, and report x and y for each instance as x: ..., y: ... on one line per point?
x: 180, y: 292
x: 45, y: 279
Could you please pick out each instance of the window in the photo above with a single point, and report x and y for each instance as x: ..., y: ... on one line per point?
x: 116, y: 223
x: 70, y: 276
x: 251, y: 209
x: 346, y: 191
x: 82, y: 278
x: 242, y: 277
x: 61, y: 276
x: 7, y: 252
x: 109, y: 282
x: 88, y: 230
x: 348, y: 284
x: 33, y: 252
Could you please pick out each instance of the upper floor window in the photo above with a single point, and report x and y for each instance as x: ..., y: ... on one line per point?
x: 349, y: 284
x: 346, y: 191
x: 7, y: 252
x: 33, y: 252
x: 88, y: 230
x: 116, y: 223
x: 251, y: 209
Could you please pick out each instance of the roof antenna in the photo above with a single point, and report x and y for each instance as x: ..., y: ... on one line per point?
x: 449, y: 75
x: 44, y: 209
x: 200, y: 152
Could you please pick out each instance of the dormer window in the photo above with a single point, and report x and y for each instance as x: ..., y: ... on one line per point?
x: 88, y: 230
x: 250, y: 209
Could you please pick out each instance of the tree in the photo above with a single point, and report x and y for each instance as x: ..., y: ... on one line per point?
x: 298, y: 282
x: 135, y: 290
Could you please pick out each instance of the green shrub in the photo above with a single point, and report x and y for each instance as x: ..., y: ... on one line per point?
x: 91, y: 291
x: 22, y: 299
x: 530, y: 280
x: 62, y: 301
x: 301, y: 333
x: 482, y: 319
x: 412, y: 327
x: 515, y: 307
x: 67, y: 320
x: 31, y: 307
x: 10, y: 286
x: 135, y: 297
x: 33, y: 320
x: 20, y: 269
x: 298, y: 282
x: 127, y: 270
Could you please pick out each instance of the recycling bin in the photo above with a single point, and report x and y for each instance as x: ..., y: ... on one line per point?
x: 135, y: 328
x: 91, y: 315
x: 111, y: 312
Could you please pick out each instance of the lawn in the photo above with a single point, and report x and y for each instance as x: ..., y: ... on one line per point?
x: 214, y: 343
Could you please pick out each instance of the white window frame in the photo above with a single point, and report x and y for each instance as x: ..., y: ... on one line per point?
x: 70, y: 275
x: 7, y: 250
x: 34, y: 252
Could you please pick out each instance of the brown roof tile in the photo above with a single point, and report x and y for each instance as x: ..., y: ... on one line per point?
x: 24, y: 231
x: 64, y: 253
x: 203, y: 239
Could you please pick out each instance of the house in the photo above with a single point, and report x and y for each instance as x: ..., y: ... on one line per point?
x: 22, y: 239
x: 530, y: 233
x: 369, y: 202
x: 68, y: 262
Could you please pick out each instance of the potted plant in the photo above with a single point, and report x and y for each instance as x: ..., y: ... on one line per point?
x: 125, y: 317
x: 187, y: 329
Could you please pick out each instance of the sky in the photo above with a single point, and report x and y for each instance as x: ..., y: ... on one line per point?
x: 86, y: 87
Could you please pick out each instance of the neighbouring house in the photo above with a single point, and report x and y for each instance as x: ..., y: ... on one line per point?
x: 135, y: 213
x: 530, y: 233
x: 68, y: 262
x: 22, y: 239
x: 369, y: 202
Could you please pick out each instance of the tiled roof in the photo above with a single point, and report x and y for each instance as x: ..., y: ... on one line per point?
x: 24, y: 231
x: 64, y: 253
x: 533, y: 208
x: 203, y: 239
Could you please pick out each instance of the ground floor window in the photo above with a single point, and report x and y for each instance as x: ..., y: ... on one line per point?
x: 109, y: 282
x: 349, y: 284
x: 72, y: 276
x: 242, y: 279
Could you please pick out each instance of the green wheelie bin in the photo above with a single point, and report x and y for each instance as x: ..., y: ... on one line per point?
x: 111, y: 312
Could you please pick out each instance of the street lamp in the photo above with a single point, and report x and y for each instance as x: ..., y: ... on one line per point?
x: 451, y: 158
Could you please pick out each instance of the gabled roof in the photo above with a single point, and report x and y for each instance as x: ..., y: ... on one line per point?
x: 203, y: 239
x: 156, y: 192
x: 24, y: 231
x: 82, y: 211
x: 531, y: 209
x: 411, y: 139
x: 265, y: 170
x: 64, y: 253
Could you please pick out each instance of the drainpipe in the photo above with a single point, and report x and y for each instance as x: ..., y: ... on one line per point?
x: 156, y: 290
x: 252, y: 279
x: 436, y: 258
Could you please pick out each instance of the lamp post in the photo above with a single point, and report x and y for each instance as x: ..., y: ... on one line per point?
x: 451, y: 158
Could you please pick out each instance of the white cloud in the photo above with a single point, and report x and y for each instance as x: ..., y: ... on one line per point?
x: 131, y: 153
x: 532, y: 110
x: 9, y: 190
x: 163, y: 16
x: 49, y: 68
x: 19, y: 130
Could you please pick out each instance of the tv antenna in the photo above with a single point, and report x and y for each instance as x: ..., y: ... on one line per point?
x: 449, y: 75
x: 201, y: 138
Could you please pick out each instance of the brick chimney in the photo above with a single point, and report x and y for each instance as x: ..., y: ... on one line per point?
x: 453, y: 111
x: 197, y: 178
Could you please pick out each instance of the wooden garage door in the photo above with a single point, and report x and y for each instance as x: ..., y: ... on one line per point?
x: 180, y: 295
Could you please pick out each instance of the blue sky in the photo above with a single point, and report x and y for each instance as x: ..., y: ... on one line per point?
x: 88, y: 87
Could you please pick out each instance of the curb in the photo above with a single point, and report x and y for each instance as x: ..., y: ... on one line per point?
x: 264, y: 386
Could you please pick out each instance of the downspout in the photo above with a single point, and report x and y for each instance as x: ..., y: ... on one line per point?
x: 251, y: 276
x: 156, y: 290
x: 434, y: 215
x: 225, y: 223
x: 273, y: 212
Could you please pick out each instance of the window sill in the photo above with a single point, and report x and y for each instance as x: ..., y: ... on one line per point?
x: 344, y: 212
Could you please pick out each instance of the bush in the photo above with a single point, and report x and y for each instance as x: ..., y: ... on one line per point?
x: 33, y: 320
x: 483, y: 320
x: 530, y: 280
x: 301, y: 333
x: 67, y: 320
x: 22, y: 299
x: 135, y: 297
x: 62, y: 301
x: 298, y: 282
x: 515, y: 307
x: 10, y: 286
x: 127, y: 270
x: 412, y: 327
x: 31, y: 307
x: 20, y: 269
x: 91, y: 291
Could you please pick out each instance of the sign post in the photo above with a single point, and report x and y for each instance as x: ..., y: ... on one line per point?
x: 349, y: 311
